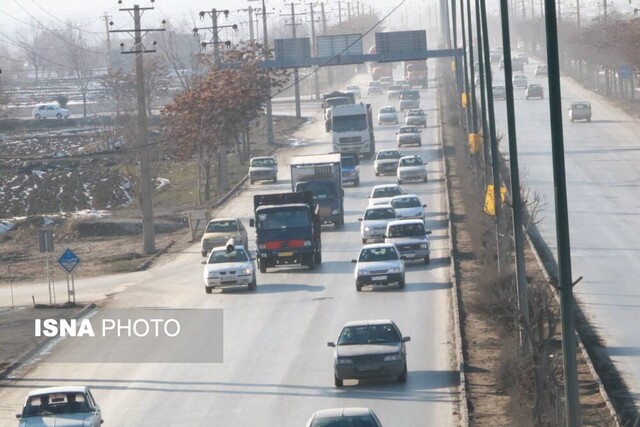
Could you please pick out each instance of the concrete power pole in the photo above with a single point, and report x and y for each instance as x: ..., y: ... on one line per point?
x: 324, y: 32
x: 316, y: 80
x: 142, y: 146
x: 339, y: 12
x: 106, y: 23
x: 296, y: 76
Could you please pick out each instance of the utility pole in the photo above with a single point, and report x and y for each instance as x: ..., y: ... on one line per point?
x: 339, y: 12
x: 465, y: 66
x: 578, y: 14
x: 250, y: 11
x: 222, y: 173
x: 349, y: 10
x: 296, y: 83
x: 269, y: 108
x: 316, y: 80
x: 472, y: 75
x: 324, y: 32
x: 571, y: 394
x: 521, y: 272
x: 106, y: 23
x: 142, y: 145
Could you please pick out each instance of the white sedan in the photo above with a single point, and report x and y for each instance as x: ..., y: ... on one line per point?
x: 411, y: 168
x: 354, y: 89
x: 229, y: 265
x: 387, y: 114
x: 408, y: 206
x: 378, y: 264
x: 374, y: 222
x: 382, y: 194
x: 69, y: 406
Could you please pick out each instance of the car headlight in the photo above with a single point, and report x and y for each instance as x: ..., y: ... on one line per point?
x: 212, y: 274
x: 335, y: 211
x: 262, y: 246
x: 394, y: 270
x: 367, y: 228
x: 424, y: 246
x: 307, y: 243
x: 247, y: 270
x: 393, y: 357
x: 363, y: 272
x: 344, y: 361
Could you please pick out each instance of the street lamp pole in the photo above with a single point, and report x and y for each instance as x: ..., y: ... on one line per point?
x: 265, y: 41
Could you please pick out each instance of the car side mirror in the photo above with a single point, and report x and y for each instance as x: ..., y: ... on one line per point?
x: 406, y: 339
x: 428, y: 232
x: 203, y: 262
x: 331, y: 344
x: 424, y: 206
x: 18, y: 416
x: 403, y: 258
x: 253, y: 258
x: 360, y: 219
x: 354, y: 261
x: 252, y: 222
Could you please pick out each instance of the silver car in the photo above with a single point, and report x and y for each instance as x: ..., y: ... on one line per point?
x: 369, y: 349
x: 374, y: 222
x: 408, y: 206
x: 387, y: 114
x: 229, y: 265
x: 69, y: 406
x: 382, y: 194
x: 386, y: 161
x: 263, y: 169
x: 337, y: 417
x: 409, y: 135
x: 410, y: 237
x: 411, y: 168
x: 416, y: 117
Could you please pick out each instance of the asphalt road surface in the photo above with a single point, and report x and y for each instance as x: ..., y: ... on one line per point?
x: 277, y: 368
x: 601, y: 161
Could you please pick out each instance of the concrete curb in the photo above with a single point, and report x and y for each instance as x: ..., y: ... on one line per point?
x: 149, y: 261
x: 581, y: 347
x: 4, y: 374
x: 455, y: 297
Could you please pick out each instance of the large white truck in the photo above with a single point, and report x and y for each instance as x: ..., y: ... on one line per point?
x: 352, y: 129
x: 322, y: 175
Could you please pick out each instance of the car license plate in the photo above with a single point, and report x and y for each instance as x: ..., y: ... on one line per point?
x: 227, y: 282
x: 410, y: 255
x: 283, y: 254
x: 379, y: 278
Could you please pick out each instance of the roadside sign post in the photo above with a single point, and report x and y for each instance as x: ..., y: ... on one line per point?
x: 69, y: 262
x: 45, y: 244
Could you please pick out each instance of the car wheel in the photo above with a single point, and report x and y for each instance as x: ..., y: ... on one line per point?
x: 38, y: 117
x: 399, y: 181
x: 589, y: 120
x: 401, y: 283
x: 425, y: 179
x: 311, y: 262
x: 527, y: 97
x: 364, y: 241
x: 427, y: 259
x: 58, y: 116
x: 262, y: 266
x: 357, y: 182
x: 571, y: 120
x: 358, y: 287
x: 337, y: 381
x: 402, y: 378
x: 251, y: 181
x: 275, y: 179
x: 208, y: 289
x: 318, y: 257
x: 420, y: 144
x: 252, y: 284
x: 377, y: 173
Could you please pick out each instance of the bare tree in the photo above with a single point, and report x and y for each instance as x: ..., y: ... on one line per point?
x: 31, y: 42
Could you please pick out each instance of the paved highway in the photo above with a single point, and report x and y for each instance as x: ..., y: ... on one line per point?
x: 602, y: 160
x: 277, y: 369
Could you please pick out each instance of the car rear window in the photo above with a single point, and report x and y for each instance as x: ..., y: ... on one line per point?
x: 389, y: 155
x: 222, y: 227
x: 404, y: 230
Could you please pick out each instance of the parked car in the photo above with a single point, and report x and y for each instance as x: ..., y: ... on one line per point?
x: 409, y: 135
x: 499, y: 92
x: 534, y: 90
x: 541, y: 70
x: 580, y: 110
x: 219, y: 231
x: 374, y: 88
x: 354, y: 89
x: 393, y: 92
x: 373, y: 223
x: 409, y: 99
x: 378, y: 264
x: 387, y: 114
x: 382, y: 194
x: 386, y: 161
x: 49, y: 111
x: 69, y: 406
x: 263, y: 169
x: 346, y: 417
x: 519, y: 81
x: 350, y: 169
x: 411, y: 168
x: 369, y: 349
x: 229, y: 265
x: 416, y: 117
x: 408, y: 206
x: 410, y: 237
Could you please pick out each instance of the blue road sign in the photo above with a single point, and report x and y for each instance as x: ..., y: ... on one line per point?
x: 69, y: 260
x: 624, y: 71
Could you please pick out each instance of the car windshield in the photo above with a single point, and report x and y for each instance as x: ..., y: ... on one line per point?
x: 389, y: 155
x: 221, y: 256
x: 413, y: 161
x: 395, y: 87
x: 262, y: 163
x: 352, y: 421
x: 384, y: 213
x: 353, y: 87
x: 349, y: 123
x: 404, y: 230
x: 410, y: 94
x: 221, y: 227
x: 276, y: 219
x: 409, y: 130
x: 369, y: 334
x: 386, y: 192
x: 54, y: 404
x: 349, y: 162
x: 332, y: 102
x: 579, y: 106
x: 415, y: 113
x: 406, y: 202
x: 388, y: 110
